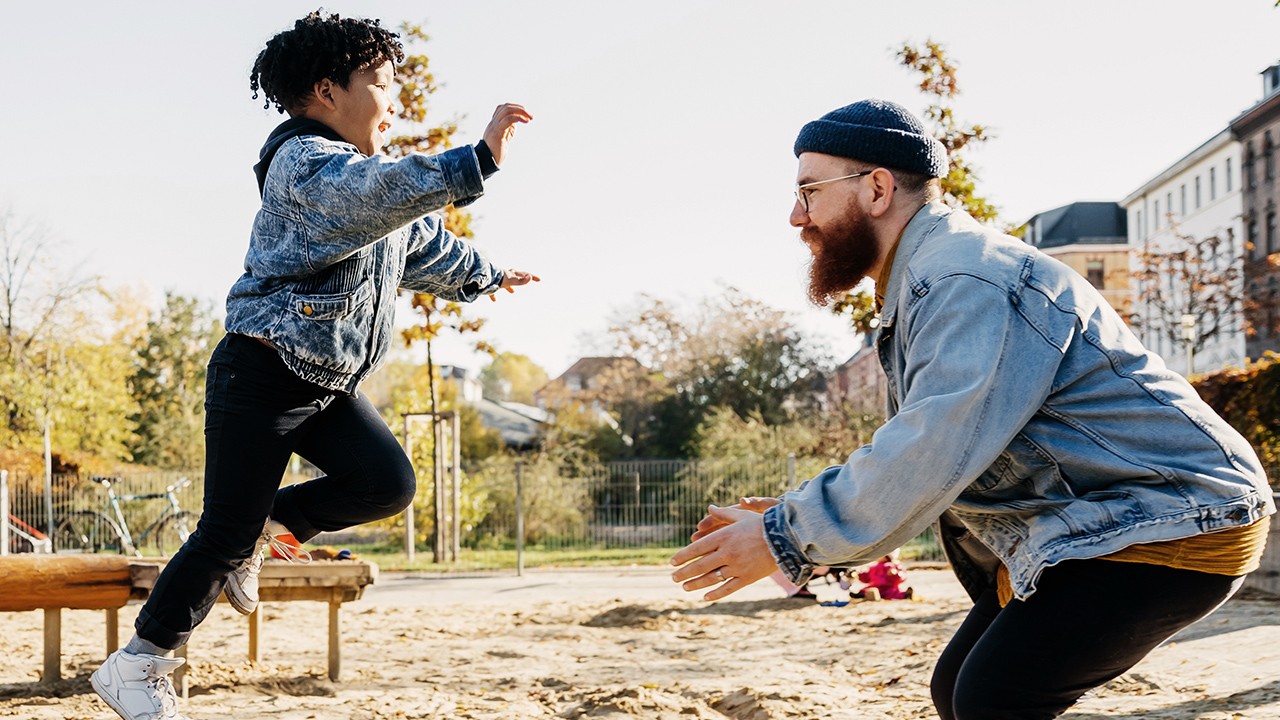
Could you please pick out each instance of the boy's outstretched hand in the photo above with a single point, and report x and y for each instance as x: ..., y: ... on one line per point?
x: 511, y: 279
x: 503, y: 127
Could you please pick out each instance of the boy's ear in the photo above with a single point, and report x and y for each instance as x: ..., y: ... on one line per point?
x: 322, y: 93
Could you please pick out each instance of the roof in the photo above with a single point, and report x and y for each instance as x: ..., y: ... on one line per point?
x: 1080, y: 223
x: 588, y: 368
x: 1253, y: 119
x: 517, y: 428
x: 1206, y: 148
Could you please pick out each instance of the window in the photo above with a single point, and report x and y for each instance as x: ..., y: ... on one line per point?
x: 1228, y: 174
x: 1157, y: 214
x: 1213, y: 183
x: 1168, y: 202
x: 1095, y: 273
x: 1137, y: 226
x: 1250, y: 180
x: 1182, y: 200
x: 1268, y: 158
x: 1271, y: 233
x: 1197, y: 192
x: 1253, y: 239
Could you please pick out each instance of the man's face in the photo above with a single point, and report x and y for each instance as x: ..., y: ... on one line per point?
x: 363, y: 110
x: 835, y: 227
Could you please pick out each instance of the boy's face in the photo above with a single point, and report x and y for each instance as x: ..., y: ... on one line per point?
x: 363, y: 111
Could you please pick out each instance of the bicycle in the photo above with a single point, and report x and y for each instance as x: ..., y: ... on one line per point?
x: 91, y: 531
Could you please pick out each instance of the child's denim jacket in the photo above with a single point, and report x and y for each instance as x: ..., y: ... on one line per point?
x: 337, y: 235
x: 1025, y: 417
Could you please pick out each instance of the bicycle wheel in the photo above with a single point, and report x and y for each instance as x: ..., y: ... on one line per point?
x: 166, y: 536
x: 86, y: 531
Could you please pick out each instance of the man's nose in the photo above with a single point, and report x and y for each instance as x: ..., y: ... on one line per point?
x: 799, y: 216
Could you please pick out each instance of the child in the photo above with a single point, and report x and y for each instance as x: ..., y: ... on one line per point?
x: 340, y: 229
x: 886, y: 578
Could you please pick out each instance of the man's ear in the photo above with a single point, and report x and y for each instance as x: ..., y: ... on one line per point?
x: 322, y: 93
x: 882, y: 186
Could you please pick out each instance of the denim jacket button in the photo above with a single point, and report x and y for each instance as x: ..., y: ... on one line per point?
x: 306, y: 310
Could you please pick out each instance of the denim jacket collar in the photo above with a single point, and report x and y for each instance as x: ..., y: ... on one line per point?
x: 920, y: 227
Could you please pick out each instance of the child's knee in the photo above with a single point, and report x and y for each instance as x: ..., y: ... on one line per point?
x: 398, y: 485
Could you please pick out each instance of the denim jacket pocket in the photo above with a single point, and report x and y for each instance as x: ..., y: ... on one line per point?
x: 328, y: 331
x: 329, y: 307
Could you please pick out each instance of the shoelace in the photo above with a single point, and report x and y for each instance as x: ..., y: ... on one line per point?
x: 167, y: 695
x: 289, y: 552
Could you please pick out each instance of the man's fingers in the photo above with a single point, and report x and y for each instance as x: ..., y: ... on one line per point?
x: 693, y: 551
x: 702, y: 566
x: 731, y: 586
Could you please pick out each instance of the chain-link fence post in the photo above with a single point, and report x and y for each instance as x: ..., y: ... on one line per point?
x: 519, y: 519
x: 408, y: 512
x: 4, y: 512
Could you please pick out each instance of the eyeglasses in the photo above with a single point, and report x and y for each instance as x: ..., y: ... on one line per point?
x: 803, y: 196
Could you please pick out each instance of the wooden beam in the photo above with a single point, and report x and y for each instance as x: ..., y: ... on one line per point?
x: 77, y: 582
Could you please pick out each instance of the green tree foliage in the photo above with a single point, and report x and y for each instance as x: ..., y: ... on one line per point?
x: 407, y: 389
x: 167, y: 383
x: 61, y: 360
x: 512, y: 377
x: 732, y: 352
x: 937, y: 80
x: 417, y: 83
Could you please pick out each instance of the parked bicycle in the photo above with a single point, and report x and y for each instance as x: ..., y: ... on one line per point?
x: 92, y: 531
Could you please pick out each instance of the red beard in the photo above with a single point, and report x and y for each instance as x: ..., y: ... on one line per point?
x: 843, y: 254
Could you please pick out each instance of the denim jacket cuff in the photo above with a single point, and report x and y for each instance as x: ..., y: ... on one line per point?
x: 797, y: 569
x: 462, y: 175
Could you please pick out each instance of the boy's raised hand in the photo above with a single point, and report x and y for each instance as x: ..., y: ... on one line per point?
x: 503, y: 127
x: 511, y: 279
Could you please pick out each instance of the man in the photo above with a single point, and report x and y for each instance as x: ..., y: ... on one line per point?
x: 1058, y: 457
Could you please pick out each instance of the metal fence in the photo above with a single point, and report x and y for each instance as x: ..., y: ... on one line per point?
x: 505, y: 508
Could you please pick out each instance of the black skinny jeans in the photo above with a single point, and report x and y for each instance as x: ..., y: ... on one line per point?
x: 257, y: 414
x: 1087, y: 623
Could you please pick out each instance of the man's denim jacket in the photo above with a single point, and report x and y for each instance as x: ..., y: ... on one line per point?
x: 337, y: 234
x: 1024, y: 417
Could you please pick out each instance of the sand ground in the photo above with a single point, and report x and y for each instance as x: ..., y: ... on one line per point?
x: 621, y: 643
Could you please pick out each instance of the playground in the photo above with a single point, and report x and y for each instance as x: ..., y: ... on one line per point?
x: 619, y: 643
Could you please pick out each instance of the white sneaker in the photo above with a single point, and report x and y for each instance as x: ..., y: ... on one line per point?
x: 137, y: 687
x: 242, y: 584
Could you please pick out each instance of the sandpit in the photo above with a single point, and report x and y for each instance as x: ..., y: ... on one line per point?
x: 622, y: 644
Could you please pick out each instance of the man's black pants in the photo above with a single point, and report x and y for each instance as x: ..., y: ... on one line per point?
x: 1087, y: 622
x: 257, y: 414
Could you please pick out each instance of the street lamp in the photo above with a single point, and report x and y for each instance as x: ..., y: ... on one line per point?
x: 1189, y: 337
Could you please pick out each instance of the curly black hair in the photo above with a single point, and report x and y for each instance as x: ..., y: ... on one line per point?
x: 319, y: 47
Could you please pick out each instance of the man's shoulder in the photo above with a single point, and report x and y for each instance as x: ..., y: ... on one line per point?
x: 960, y: 246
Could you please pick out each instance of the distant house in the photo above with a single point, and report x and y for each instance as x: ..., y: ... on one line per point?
x: 1091, y: 238
x: 1195, y: 198
x: 860, y: 383
x: 1258, y: 131
x: 517, y: 424
x: 587, y: 380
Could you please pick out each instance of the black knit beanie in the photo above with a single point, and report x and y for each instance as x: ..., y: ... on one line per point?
x: 875, y: 131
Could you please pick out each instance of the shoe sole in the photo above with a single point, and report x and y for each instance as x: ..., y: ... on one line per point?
x: 239, y: 601
x: 102, y: 693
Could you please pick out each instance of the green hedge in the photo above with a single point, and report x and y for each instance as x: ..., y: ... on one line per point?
x: 1249, y: 399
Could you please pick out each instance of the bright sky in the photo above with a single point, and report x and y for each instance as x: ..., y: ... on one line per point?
x: 660, y: 157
